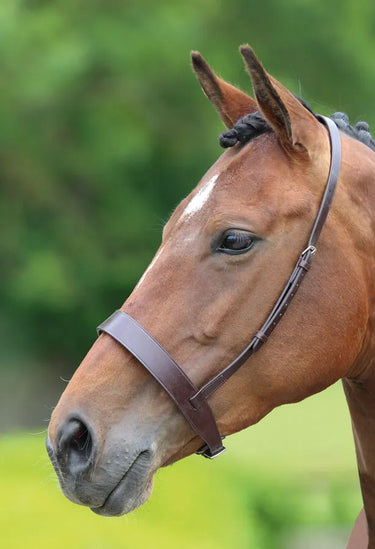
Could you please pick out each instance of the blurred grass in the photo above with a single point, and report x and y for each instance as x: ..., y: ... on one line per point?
x: 294, y: 471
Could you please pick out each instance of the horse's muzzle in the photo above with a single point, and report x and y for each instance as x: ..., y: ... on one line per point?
x: 112, y: 481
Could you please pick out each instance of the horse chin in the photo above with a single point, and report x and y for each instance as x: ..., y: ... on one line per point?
x: 115, y: 506
x: 119, y: 502
x: 132, y: 489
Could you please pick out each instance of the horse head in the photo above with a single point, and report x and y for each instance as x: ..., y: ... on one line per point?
x: 226, y: 253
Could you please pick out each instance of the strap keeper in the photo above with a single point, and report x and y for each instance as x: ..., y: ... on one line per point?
x: 305, y: 264
x: 261, y: 336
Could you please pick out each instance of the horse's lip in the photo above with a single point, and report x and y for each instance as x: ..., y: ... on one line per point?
x: 115, y: 504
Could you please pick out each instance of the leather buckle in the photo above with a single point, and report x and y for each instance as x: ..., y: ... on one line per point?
x: 305, y: 259
x: 206, y: 452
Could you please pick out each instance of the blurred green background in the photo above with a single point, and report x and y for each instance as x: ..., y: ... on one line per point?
x: 103, y: 130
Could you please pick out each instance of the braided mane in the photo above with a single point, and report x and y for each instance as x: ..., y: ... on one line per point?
x: 253, y: 125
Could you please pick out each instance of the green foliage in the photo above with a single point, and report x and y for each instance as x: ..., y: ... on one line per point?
x: 104, y: 130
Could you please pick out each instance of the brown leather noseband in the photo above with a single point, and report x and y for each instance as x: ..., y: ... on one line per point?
x: 190, y: 400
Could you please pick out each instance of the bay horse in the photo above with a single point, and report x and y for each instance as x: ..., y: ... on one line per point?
x: 226, y: 254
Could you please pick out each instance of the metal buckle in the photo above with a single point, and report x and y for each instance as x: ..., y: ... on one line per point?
x: 311, y: 249
x: 206, y: 452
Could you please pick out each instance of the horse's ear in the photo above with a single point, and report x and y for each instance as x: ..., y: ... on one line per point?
x: 230, y: 102
x: 291, y: 121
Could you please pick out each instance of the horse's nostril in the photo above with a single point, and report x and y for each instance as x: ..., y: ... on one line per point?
x: 75, y: 446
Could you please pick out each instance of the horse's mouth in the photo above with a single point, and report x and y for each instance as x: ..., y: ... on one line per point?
x: 132, y: 490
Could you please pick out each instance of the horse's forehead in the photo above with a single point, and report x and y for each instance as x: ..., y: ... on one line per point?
x: 246, y: 176
x: 200, y: 198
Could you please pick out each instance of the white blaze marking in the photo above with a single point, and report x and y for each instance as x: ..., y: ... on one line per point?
x: 200, y: 198
x: 149, y: 268
x: 195, y: 204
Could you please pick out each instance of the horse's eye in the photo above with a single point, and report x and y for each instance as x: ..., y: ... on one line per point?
x: 235, y: 241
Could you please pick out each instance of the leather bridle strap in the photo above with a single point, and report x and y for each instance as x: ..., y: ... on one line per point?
x: 167, y: 372
x: 302, y: 266
x: 191, y: 401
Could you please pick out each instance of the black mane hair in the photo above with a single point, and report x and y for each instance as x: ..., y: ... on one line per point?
x: 252, y: 125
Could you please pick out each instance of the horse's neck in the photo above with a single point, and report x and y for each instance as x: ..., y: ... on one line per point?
x: 359, y: 387
x: 360, y: 394
x: 361, y: 401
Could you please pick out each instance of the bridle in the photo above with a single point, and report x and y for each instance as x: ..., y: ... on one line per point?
x: 191, y: 401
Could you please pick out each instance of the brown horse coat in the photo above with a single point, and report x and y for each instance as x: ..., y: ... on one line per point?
x: 114, y: 426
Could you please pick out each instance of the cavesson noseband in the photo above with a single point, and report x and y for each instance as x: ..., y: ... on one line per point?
x: 190, y: 400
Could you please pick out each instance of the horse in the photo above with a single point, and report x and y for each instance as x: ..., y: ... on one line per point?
x: 227, y: 253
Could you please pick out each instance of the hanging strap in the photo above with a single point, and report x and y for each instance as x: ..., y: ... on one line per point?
x: 167, y: 372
